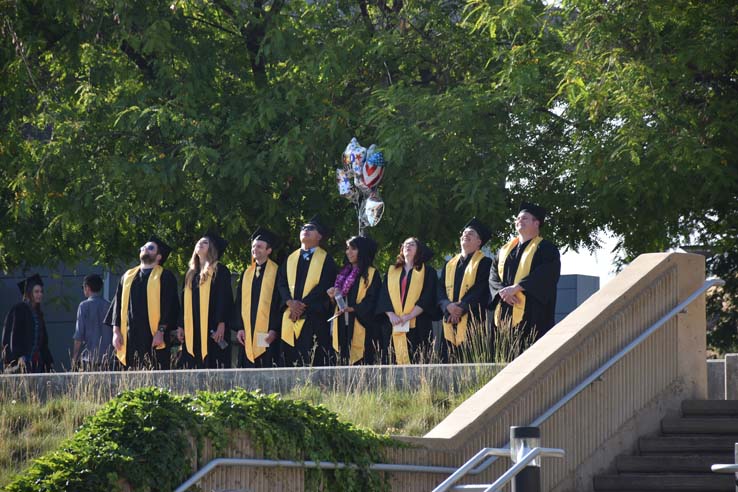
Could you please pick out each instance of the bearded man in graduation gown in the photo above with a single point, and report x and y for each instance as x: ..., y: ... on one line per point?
x: 523, y: 277
x: 258, y: 317
x: 463, y: 291
x: 145, y: 309
x: 303, y: 281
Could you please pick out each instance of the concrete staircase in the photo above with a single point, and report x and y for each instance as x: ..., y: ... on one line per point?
x: 680, y: 458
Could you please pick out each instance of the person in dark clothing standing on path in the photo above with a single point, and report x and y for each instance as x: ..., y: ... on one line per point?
x: 93, y: 339
x: 303, y: 281
x: 145, y: 309
x: 408, y: 299
x: 524, y: 275
x: 257, y: 317
x: 463, y: 291
x: 207, y: 304
x: 25, y: 345
x: 355, y: 329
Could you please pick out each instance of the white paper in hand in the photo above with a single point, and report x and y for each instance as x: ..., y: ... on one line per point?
x: 401, y: 328
x: 261, y: 339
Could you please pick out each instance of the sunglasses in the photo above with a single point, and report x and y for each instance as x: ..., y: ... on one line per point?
x: 150, y: 247
x: 308, y: 227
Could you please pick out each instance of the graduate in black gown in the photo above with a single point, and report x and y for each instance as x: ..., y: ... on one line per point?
x: 408, y: 299
x: 524, y: 275
x: 303, y: 281
x: 207, y: 307
x: 141, y: 326
x: 257, y: 315
x: 25, y: 345
x: 463, y: 292
x: 355, y: 330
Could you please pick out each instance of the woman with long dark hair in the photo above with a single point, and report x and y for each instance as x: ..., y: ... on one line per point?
x: 25, y: 340
x: 207, y: 301
x: 408, y: 299
x: 357, y: 288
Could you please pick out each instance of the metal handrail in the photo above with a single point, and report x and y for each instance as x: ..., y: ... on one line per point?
x: 709, y: 283
x: 731, y: 469
x: 470, y: 470
x: 323, y: 465
x: 505, y: 477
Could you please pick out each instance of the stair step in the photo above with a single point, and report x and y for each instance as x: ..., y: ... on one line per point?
x: 687, y: 444
x: 710, y: 407
x: 699, y: 425
x: 670, y: 463
x: 664, y: 481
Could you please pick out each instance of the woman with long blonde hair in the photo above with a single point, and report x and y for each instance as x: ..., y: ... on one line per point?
x: 207, y: 303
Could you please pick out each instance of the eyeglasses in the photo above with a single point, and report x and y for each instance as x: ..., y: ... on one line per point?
x: 150, y: 247
x: 308, y: 227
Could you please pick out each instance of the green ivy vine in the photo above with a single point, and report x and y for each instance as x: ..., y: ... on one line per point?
x: 139, y: 437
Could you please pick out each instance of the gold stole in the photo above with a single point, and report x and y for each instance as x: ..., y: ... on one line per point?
x: 292, y: 329
x: 399, y: 339
x: 189, y: 322
x: 470, y: 276
x: 262, y: 309
x: 153, y: 303
x: 523, y: 270
x: 359, y: 336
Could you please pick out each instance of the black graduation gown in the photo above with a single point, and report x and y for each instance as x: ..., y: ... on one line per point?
x: 139, y: 354
x: 474, y: 302
x: 220, y: 309
x: 366, y: 312
x: 316, y: 330
x: 18, y: 340
x: 539, y: 287
x: 420, y: 338
x: 270, y: 357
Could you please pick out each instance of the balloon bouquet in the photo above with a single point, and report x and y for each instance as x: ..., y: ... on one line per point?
x: 358, y: 180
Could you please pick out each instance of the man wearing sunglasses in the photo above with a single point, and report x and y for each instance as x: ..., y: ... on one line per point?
x: 145, y: 310
x: 303, y: 281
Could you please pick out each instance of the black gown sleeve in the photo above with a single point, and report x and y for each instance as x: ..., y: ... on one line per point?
x: 366, y: 309
x: 18, y: 333
x: 478, y: 293
x: 170, y: 309
x: 112, y: 318
x: 282, y: 286
x: 427, y: 299
x: 540, y: 283
x: 495, y: 282
x: 275, y: 312
x: 443, y: 300
x: 223, y: 293
x: 384, y: 303
x: 7, y: 335
x: 237, y: 323
x: 317, y: 299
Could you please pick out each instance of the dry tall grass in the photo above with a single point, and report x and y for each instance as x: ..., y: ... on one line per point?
x: 407, y: 400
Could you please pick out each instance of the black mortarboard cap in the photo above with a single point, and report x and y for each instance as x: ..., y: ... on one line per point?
x: 320, y: 226
x: 29, y: 283
x: 484, y: 232
x: 164, y: 248
x: 536, y: 211
x: 266, y: 235
x: 217, y: 241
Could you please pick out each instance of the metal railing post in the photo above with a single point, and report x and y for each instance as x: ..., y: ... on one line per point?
x: 522, y: 440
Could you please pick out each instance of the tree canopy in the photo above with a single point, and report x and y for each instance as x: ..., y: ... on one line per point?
x: 120, y: 118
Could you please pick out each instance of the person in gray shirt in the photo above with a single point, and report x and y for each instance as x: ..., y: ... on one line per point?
x: 93, y: 340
